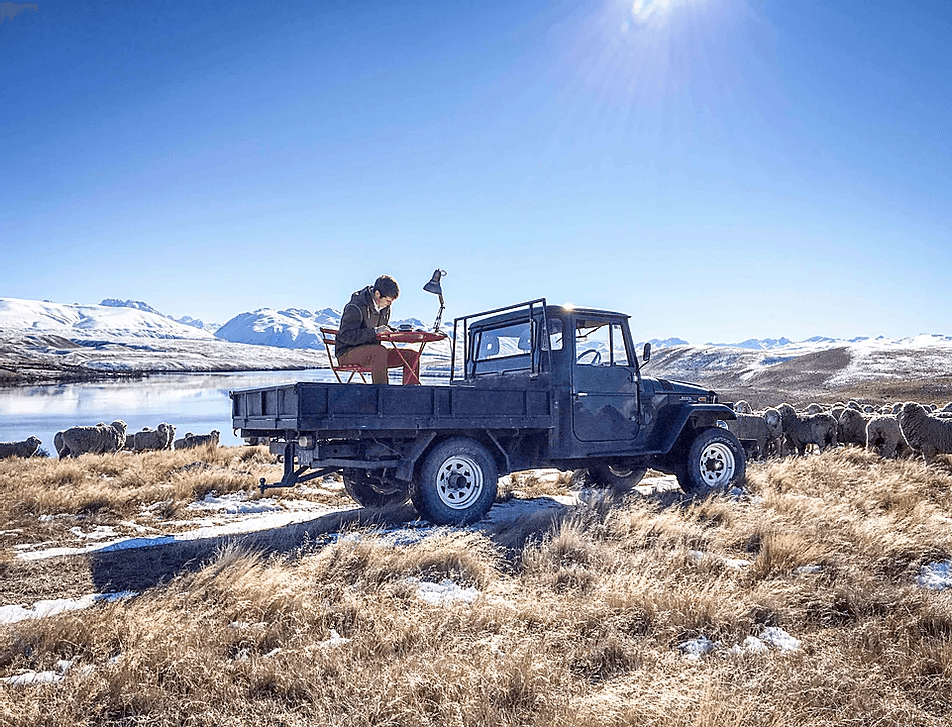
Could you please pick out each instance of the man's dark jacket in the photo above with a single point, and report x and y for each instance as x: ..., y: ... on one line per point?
x: 358, y: 321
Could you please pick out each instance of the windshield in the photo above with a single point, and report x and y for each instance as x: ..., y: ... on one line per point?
x: 600, y: 343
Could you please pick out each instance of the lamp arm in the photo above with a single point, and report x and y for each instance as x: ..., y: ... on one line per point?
x: 439, y: 316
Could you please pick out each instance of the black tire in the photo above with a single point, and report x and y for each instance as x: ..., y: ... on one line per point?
x: 621, y: 480
x: 456, y: 483
x: 715, y: 461
x: 373, y: 489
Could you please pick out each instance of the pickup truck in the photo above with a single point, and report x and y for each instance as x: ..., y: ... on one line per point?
x: 530, y: 385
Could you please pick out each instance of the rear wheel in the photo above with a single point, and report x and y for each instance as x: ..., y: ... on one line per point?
x: 456, y: 483
x: 374, y: 489
x: 619, y: 479
x: 715, y: 461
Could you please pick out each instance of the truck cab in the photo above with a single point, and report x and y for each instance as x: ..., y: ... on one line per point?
x: 605, y: 410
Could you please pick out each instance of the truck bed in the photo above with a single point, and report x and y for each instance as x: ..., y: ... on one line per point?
x: 327, y: 408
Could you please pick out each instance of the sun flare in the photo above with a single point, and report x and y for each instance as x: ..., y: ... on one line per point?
x: 643, y: 10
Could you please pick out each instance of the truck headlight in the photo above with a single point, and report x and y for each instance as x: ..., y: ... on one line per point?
x: 306, y: 441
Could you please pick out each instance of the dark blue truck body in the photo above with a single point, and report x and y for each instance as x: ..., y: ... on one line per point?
x: 531, y: 385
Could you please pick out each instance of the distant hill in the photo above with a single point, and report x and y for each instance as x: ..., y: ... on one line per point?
x: 879, y: 368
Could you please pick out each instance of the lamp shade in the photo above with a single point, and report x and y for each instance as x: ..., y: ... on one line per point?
x: 434, y: 285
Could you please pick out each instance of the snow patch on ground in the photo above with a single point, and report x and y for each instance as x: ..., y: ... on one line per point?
x: 771, y: 636
x: 236, y: 503
x: 45, y: 609
x: 936, y: 576
x: 734, y: 563
x: 236, y: 516
x: 444, y: 593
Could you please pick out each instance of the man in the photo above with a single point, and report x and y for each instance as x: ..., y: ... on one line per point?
x: 366, y: 315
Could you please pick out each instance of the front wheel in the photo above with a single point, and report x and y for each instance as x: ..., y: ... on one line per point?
x: 456, y: 484
x: 715, y: 462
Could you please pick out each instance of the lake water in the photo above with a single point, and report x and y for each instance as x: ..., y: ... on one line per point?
x: 194, y: 403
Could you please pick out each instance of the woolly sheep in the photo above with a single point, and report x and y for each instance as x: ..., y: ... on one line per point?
x: 98, y: 439
x: 151, y: 439
x: 801, y: 430
x: 851, y: 427
x: 743, y: 407
x: 947, y: 407
x: 927, y: 434
x: 751, y: 430
x: 815, y: 409
x: 26, y: 448
x: 884, y: 437
x: 762, y: 429
x: 775, y: 430
x: 896, y: 407
x: 197, y: 440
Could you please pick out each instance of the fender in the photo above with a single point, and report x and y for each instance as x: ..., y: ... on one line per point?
x: 697, y: 416
x: 408, y: 461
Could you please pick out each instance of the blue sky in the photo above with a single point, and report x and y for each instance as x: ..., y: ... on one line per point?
x: 720, y: 169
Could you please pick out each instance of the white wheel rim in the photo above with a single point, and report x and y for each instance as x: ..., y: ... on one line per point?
x: 717, y: 464
x: 459, y: 482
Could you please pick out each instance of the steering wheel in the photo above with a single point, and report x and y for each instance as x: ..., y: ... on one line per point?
x: 596, y: 358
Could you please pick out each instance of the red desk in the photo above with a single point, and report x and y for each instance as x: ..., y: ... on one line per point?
x: 421, y: 337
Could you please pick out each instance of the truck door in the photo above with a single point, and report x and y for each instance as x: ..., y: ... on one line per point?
x: 604, y: 383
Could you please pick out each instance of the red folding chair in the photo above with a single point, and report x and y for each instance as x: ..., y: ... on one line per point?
x: 329, y: 335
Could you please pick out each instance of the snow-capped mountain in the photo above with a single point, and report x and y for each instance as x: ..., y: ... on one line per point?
x: 767, y: 344
x: 298, y: 328
x: 662, y: 343
x: 90, y: 321
x: 291, y: 328
x: 139, y: 305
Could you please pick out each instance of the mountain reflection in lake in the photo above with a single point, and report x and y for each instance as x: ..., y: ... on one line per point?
x: 191, y: 402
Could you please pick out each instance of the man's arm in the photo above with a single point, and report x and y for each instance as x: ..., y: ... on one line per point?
x: 352, y: 330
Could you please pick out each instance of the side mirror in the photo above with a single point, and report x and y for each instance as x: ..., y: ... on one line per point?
x: 646, y: 356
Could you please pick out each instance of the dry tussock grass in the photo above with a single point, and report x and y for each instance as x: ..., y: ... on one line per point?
x: 115, y: 486
x: 581, y: 625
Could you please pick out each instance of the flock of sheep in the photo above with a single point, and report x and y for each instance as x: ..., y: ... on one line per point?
x: 105, y: 438
x: 890, y: 431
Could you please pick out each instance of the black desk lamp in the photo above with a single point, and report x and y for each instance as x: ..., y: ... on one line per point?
x: 434, y: 287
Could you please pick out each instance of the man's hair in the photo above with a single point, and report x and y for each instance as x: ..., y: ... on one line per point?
x: 387, y: 287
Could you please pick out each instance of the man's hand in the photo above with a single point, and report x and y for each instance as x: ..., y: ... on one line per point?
x: 382, y: 329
